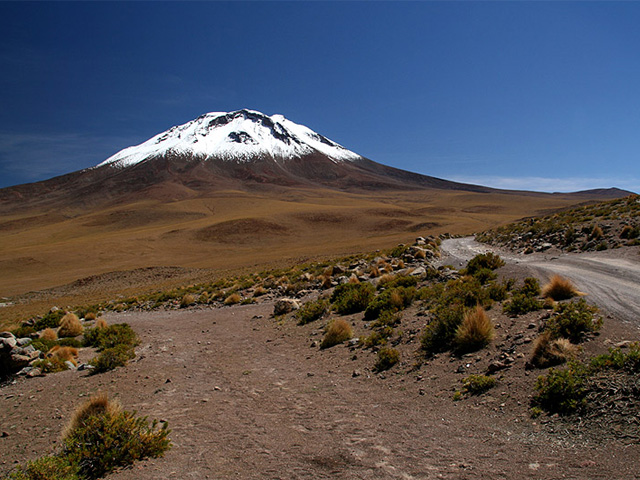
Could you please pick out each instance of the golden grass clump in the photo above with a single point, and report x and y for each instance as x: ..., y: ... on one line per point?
x: 325, y: 281
x: 233, y: 299
x: 386, y: 278
x: 374, y: 272
x: 547, y: 352
x: 90, y: 316
x: 353, y: 279
x: 96, y: 405
x: 49, y: 334
x: 64, y: 354
x: 187, y: 300
x: 559, y: 288
x: 421, y: 254
x: 101, y: 323
x: 70, y: 326
x: 259, y: 291
x: 475, y: 331
x: 337, y: 332
x: 396, y: 300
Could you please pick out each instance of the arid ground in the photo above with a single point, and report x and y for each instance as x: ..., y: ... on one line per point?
x: 249, y: 396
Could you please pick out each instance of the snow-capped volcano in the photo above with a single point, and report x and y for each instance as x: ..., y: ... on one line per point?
x: 237, y: 136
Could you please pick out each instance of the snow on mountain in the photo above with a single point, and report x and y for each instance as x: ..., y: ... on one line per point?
x: 235, y: 136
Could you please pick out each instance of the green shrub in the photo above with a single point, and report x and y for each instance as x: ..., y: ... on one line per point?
x: 573, y: 321
x: 562, y: 391
x: 484, y: 275
x: 106, y: 441
x: 391, y: 300
x: 46, y: 468
x: 112, y: 357
x: 487, y: 260
x: 520, y: 304
x: 50, y: 320
x: 377, y: 337
x: 498, y: 291
x: 50, y: 365
x: 387, y: 358
x: 617, y: 359
x: 352, y: 297
x: 111, y: 336
x: 21, y: 332
x: 312, y: 311
x: 530, y: 288
x: 629, y: 232
x: 477, y: 384
x: 439, y: 334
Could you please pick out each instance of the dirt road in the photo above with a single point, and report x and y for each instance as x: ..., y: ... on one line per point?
x: 611, y: 279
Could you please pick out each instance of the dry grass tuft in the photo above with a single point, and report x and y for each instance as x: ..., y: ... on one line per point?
x: 259, y: 291
x: 560, y: 288
x: 386, y: 278
x: 547, y: 352
x: 420, y: 254
x: 96, y: 405
x: 374, y: 272
x: 49, y: 334
x: 90, y: 316
x: 233, y: 299
x: 101, y: 323
x: 70, y: 326
x: 64, y: 354
x: 337, y: 332
x: 400, y: 265
x: 475, y: 331
x: 325, y: 281
x: 353, y: 279
x: 187, y: 300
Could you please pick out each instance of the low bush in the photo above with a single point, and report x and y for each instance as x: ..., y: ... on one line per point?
x: 352, y: 298
x: 50, y: 320
x: 21, y: 332
x: 46, y: 468
x: 559, y: 288
x: 574, y: 320
x: 484, y: 275
x: 530, y: 287
x: 390, y: 300
x: 50, y: 365
x: 498, y: 291
x: 387, y: 358
x: 70, y: 326
x: 562, y: 391
x: 377, y: 337
x: 477, y: 384
x: 187, y: 300
x: 395, y: 281
x: 439, y: 334
x: 549, y: 352
x: 475, y: 331
x: 105, y: 440
x: 49, y: 334
x: 233, y: 299
x: 337, y: 331
x: 519, y: 304
x: 111, y: 358
x: 312, y: 311
x: 64, y: 354
x: 489, y: 261
x: 628, y: 232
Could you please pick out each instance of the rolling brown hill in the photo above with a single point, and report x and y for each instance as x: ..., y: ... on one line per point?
x: 228, y: 192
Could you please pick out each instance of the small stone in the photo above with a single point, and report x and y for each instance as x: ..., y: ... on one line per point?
x: 4, y: 434
x: 356, y: 373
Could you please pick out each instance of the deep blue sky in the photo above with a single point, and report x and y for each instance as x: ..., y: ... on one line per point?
x: 540, y: 95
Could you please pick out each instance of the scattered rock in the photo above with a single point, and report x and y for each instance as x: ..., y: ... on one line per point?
x: 285, y: 305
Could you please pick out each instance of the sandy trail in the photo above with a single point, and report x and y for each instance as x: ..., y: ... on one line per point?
x: 610, y: 280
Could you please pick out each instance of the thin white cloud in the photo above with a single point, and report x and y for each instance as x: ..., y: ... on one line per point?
x: 545, y: 184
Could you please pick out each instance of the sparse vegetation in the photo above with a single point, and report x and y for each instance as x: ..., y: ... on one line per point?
x: 352, y: 298
x: 484, y: 261
x: 337, y: 331
x: 387, y: 358
x: 70, y: 326
x: 475, y: 331
x: 115, y: 343
x: 477, y: 384
x: 559, y: 288
x: 312, y: 311
x: 233, y: 299
x: 573, y: 321
x: 549, y: 352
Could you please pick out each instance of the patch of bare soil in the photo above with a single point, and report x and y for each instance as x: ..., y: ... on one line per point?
x: 248, y: 396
